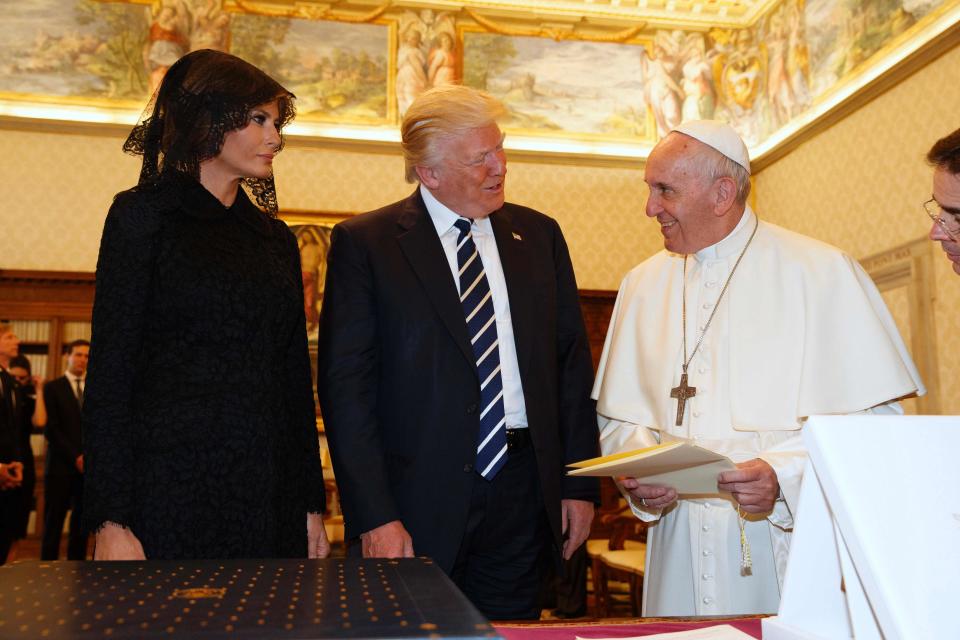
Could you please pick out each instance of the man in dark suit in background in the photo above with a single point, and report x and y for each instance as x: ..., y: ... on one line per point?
x: 454, y: 369
x: 63, y: 474
x: 11, y: 453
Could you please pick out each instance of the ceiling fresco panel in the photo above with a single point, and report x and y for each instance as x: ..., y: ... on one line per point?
x: 599, y: 78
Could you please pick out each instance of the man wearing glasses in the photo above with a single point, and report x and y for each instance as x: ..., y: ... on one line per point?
x: 944, y: 207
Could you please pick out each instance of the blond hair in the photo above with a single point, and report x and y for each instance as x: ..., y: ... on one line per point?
x: 440, y: 114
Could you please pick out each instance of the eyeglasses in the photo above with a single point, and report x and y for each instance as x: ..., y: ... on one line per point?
x: 951, y: 228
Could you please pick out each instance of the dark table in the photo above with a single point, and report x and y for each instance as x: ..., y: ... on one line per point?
x: 332, y: 598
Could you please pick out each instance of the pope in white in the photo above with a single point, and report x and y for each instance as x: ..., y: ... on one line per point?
x: 730, y: 338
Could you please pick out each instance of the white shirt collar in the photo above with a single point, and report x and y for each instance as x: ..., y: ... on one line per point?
x: 73, y: 379
x: 443, y: 217
x: 734, y: 242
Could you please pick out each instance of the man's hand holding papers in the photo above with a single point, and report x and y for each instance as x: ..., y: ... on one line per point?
x: 657, y: 476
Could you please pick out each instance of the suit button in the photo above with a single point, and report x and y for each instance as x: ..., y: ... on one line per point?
x: 471, y: 409
x: 467, y: 468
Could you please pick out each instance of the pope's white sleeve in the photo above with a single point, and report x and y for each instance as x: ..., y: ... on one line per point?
x: 617, y: 436
x: 788, y: 460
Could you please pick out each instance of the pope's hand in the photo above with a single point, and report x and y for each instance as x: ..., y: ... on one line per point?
x: 649, y: 496
x: 389, y: 540
x: 754, y: 485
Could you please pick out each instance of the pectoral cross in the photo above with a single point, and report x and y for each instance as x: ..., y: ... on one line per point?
x: 682, y: 392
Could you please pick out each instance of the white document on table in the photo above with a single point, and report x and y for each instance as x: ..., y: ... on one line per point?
x: 719, y: 632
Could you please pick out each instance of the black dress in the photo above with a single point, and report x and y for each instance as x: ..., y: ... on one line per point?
x: 199, y: 422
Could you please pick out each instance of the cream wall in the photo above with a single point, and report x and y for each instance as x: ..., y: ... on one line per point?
x: 859, y: 185
x: 61, y: 185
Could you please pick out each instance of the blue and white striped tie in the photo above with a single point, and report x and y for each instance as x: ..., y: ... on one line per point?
x: 482, y: 328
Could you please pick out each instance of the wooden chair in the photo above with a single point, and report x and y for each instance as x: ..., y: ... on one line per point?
x: 622, y: 560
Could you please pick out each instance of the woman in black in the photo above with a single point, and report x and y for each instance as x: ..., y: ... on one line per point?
x: 200, y: 435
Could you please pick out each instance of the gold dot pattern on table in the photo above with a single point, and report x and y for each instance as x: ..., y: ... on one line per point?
x: 342, y: 597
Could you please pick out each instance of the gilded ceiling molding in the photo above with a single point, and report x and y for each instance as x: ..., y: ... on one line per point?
x: 549, y: 32
x: 311, y: 12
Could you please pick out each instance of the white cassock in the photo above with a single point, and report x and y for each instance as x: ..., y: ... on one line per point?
x: 801, y: 330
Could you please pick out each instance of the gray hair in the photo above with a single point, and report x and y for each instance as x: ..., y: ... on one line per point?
x: 710, y: 164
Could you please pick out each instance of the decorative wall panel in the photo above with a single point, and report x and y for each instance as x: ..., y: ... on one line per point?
x: 860, y: 184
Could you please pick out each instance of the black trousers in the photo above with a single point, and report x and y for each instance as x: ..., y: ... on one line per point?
x: 60, y: 494
x: 9, y: 514
x: 499, y: 565
x: 571, y: 586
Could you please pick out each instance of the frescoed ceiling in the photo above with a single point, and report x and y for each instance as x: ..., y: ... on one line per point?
x: 582, y: 77
x: 681, y: 14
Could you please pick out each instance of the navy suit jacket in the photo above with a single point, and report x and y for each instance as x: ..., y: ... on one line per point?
x: 397, y: 380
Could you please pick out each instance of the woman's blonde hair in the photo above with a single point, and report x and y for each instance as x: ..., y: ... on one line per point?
x: 439, y: 114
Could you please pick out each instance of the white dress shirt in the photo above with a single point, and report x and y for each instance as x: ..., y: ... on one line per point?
x: 482, y: 230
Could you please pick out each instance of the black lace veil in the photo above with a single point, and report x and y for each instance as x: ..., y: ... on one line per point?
x: 204, y: 95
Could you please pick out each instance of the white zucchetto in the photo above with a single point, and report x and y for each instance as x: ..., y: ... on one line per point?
x: 719, y: 135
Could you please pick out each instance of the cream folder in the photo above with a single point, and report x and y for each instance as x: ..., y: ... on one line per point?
x: 688, y: 468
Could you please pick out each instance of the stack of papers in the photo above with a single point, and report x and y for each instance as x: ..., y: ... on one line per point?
x: 719, y: 632
x: 686, y: 467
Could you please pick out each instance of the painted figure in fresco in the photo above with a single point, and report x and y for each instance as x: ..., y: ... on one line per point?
x: 210, y: 27
x: 741, y: 73
x: 779, y: 87
x: 443, y: 61
x: 311, y: 258
x: 167, y: 40
x: 798, y: 54
x: 699, y: 97
x: 662, y: 93
x: 411, y: 64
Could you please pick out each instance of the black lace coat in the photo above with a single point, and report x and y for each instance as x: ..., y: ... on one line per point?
x: 199, y: 424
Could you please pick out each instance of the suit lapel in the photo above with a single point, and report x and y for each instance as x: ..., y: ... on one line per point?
x: 515, y: 259
x: 421, y: 246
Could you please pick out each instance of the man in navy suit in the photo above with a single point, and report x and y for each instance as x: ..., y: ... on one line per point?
x: 63, y: 473
x: 454, y: 369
